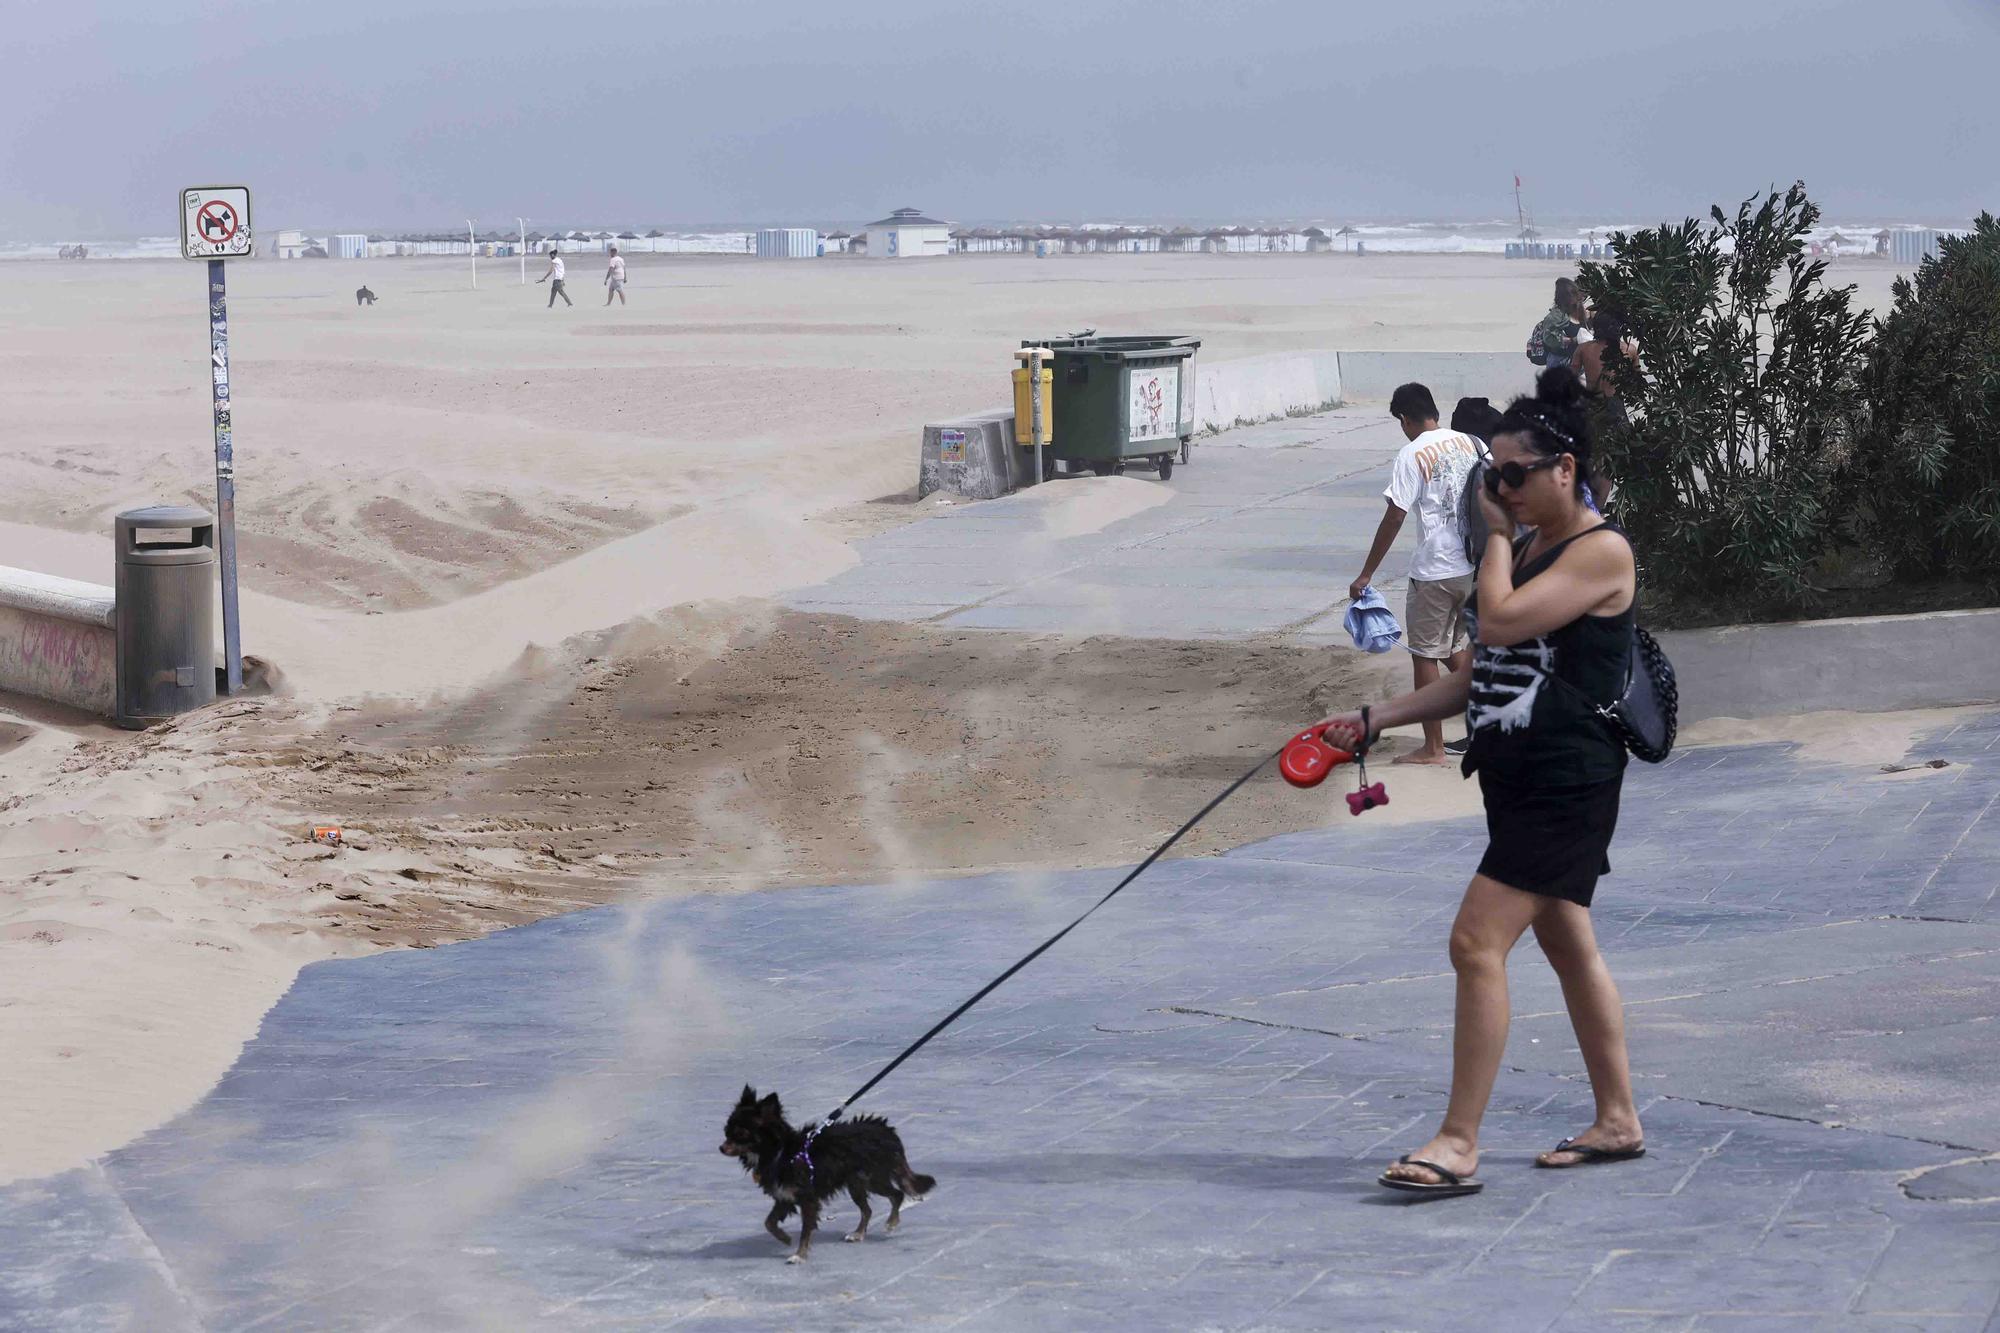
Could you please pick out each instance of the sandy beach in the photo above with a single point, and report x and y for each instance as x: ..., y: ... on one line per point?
x: 515, y: 567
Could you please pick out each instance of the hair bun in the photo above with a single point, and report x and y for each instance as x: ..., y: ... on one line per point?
x: 1559, y: 387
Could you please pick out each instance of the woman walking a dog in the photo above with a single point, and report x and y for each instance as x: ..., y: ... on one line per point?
x: 1552, y: 622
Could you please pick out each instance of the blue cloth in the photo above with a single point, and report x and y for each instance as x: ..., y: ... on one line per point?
x: 1371, y: 624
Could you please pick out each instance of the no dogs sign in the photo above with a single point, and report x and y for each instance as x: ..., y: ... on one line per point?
x: 215, y: 222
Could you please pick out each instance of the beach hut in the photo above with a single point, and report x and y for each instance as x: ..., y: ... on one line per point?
x: 787, y: 243
x: 1317, y: 241
x: 908, y: 234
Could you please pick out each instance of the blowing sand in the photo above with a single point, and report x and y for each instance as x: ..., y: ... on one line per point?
x: 512, y: 564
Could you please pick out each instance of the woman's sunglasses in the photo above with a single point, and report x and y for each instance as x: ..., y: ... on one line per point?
x: 1514, y: 476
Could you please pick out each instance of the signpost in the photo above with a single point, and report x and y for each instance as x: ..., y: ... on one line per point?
x: 215, y: 226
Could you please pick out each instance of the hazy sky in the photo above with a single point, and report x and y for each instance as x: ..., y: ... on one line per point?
x: 396, y: 114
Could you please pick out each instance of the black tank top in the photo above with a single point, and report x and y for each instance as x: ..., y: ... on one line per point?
x: 1525, y: 727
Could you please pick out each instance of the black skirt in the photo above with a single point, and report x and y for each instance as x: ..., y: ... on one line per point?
x: 1548, y: 840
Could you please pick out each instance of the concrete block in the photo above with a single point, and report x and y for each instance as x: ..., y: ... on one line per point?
x: 57, y: 640
x: 974, y: 456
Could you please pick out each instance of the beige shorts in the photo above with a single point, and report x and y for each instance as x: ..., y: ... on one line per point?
x: 1434, y: 617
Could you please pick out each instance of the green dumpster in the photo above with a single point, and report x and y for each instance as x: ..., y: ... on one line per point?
x: 1121, y: 400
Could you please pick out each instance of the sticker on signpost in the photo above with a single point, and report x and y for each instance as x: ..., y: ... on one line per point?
x: 215, y: 222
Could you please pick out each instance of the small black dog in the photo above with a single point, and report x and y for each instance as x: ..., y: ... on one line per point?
x: 802, y: 1169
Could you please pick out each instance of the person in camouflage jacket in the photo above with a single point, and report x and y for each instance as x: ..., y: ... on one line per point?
x: 1553, y: 341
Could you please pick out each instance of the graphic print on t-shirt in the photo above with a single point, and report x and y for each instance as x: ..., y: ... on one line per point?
x: 1427, y: 480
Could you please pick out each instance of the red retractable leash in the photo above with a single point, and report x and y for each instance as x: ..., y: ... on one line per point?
x: 1309, y: 757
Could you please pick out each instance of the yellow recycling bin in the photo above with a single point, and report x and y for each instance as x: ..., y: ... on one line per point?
x: 1024, y: 411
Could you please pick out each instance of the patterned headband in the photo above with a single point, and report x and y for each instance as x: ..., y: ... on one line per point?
x: 1543, y: 423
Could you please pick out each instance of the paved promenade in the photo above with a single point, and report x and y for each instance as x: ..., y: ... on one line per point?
x: 1172, y: 1121
x: 1175, y: 1118
x: 1267, y: 527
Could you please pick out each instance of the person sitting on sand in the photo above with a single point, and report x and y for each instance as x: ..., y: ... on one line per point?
x: 1428, y: 476
x: 362, y: 296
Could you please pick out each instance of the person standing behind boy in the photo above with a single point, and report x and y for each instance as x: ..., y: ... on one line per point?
x: 614, y: 278
x: 1428, y: 478
x: 1553, y: 341
x: 556, y: 272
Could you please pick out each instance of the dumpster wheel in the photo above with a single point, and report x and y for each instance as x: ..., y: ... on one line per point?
x: 1187, y: 452
x: 1165, y: 462
x: 1106, y: 469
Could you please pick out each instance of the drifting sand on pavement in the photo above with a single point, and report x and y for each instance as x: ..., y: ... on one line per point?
x: 465, y: 522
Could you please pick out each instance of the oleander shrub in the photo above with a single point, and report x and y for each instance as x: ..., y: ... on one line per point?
x: 1924, y: 487
x: 1743, y: 403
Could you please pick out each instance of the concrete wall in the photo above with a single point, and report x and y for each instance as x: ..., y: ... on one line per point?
x: 1264, y: 388
x: 1870, y: 664
x: 1372, y: 376
x: 57, y: 640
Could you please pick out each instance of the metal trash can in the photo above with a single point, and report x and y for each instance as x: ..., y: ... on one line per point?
x: 1120, y: 400
x: 165, y: 586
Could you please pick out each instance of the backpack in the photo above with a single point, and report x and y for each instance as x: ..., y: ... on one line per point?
x: 1554, y: 336
x: 1472, y: 530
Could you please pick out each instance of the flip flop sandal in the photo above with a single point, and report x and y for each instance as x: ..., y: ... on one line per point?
x: 1449, y: 1184
x: 1588, y: 1156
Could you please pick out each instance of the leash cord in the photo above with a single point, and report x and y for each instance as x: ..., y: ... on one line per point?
x: 1050, y: 942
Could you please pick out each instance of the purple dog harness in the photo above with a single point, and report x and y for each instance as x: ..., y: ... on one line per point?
x: 804, y: 1154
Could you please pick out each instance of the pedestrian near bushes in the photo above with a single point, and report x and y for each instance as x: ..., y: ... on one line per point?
x: 614, y: 278
x: 1427, y: 479
x: 1599, y: 378
x: 1553, y: 621
x: 556, y: 272
x: 1476, y: 417
x: 1553, y: 341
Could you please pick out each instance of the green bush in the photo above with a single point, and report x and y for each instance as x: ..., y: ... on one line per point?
x: 1925, y: 489
x: 1743, y: 403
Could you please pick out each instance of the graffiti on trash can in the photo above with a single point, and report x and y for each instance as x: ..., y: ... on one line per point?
x: 1156, y: 401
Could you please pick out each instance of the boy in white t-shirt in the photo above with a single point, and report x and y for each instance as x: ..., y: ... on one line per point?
x: 1428, y: 478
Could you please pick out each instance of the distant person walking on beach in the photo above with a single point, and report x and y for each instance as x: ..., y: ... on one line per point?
x: 362, y: 296
x: 556, y: 272
x: 1553, y: 341
x: 614, y: 278
x: 1428, y: 477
